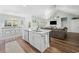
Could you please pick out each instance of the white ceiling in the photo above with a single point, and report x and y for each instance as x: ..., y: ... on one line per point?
x: 73, y: 9
x: 39, y: 10
x: 27, y: 10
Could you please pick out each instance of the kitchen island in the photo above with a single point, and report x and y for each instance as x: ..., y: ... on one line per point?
x: 37, y: 38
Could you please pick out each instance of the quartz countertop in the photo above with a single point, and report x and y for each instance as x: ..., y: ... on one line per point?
x: 40, y: 30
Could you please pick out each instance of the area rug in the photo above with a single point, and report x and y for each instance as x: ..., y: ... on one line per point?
x: 13, y: 47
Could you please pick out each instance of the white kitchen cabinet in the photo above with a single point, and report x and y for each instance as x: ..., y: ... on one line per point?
x: 10, y: 32
x: 39, y: 40
x: 44, y: 41
x: 47, y: 39
x: 26, y: 35
x: 31, y: 38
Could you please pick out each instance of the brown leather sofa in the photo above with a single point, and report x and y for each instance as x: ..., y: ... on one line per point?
x: 58, y: 33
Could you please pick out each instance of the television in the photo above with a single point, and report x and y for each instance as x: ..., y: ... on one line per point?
x: 53, y: 22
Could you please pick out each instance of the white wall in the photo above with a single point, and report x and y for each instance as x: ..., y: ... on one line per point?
x: 75, y: 25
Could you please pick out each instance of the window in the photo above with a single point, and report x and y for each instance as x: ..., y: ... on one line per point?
x: 11, y: 23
